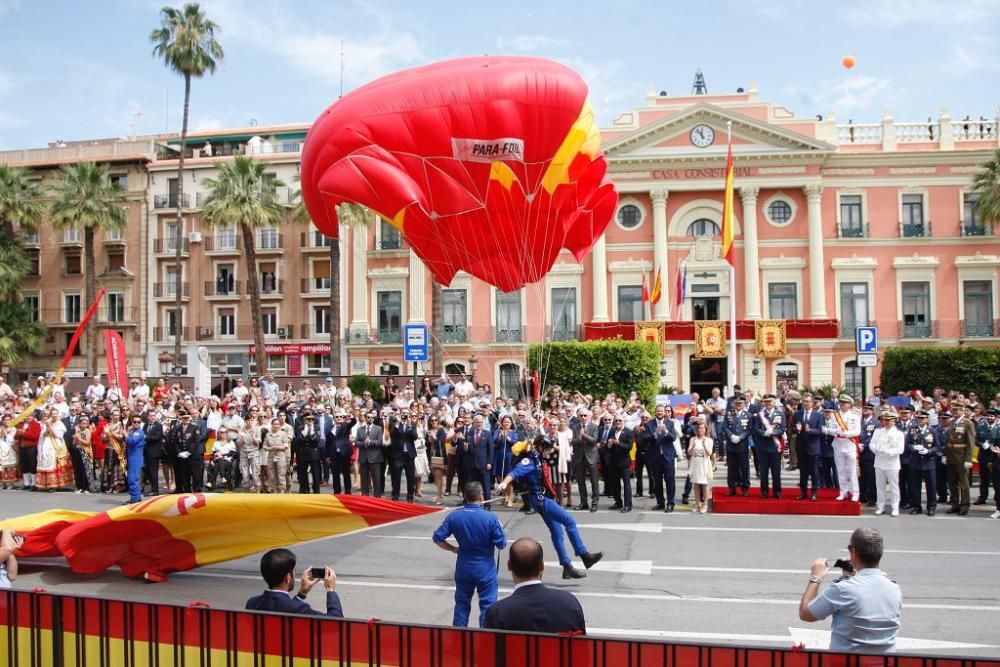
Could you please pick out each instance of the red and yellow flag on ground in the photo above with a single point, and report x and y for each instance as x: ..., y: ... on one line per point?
x: 727, y: 209
x: 179, y: 532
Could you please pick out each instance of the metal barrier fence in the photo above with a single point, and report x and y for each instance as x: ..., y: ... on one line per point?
x: 38, y: 628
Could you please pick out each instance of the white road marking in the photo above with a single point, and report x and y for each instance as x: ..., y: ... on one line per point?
x: 686, y: 510
x: 403, y: 537
x: 659, y: 528
x: 820, y: 639
x: 935, y: 552
x: 619, y: 566
x: 748, y: 570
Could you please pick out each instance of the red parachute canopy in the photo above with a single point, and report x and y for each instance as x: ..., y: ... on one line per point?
x: 489, y: 165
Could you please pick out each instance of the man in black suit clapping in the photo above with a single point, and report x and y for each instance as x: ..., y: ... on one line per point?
x: 533, y: 606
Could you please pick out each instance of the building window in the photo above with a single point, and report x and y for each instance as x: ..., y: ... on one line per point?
x: 509, y: 317
x: 454, y: 369
x: 389, y: 238
x: 71, y: 264
x: 227, y: 322
x: 629, y: 216
x: 172, y: 235
x: 113, y: 234
x: 170, y: 283
x: 225, y: 279
x: 978, y: 298
x: 971, y: 225
x: 317, y: 364
x: 269, y: 321
x: 321, y: 321
x: 564, y: 313
x: 630, y: 303
x: 71, y: 235
x: 916, y: 303
x: 34, y: 262
x: 779, y: 211
x: 853, y: 308
x: 321, y: 275
x: 30, y: 236
x: 854, y: 380
x: 913, y: 215
x: 116, y: 260
x: 170, y: 317
x: 786, y: 377
x: 276, y: 363
x: 225, y: 238
x: 782, y: 301
x: 704, y: 307
x: 703, y: 227
x: 390, y: 316
x: 455, y: 312
x: 119, y: 181
x: 510, y: 380
x: 269, y: 239
x: 31, y: 303
x: 71, y: 308
x: 116, y: 306
x: 851, y: 225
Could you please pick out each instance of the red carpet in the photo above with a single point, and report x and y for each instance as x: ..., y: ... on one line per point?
x: 754, y: 504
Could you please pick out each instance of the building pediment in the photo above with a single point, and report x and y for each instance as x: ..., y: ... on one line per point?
x: 670, y: 137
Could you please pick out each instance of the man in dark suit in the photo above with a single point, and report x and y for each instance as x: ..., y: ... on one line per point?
x: 809, y: 426
x: 307, y: 454
x: 188, y: 443
x: 663, y: 454
x: 152, y: 450
x: 70, y: 422
x: 339, y: 450
x: 368, y: 439
x: 619, y: 448
x: 278, y: 569
x: 475, y: 456
x: 533, y: 606
x: 402, y: 452
x: 585, y: 456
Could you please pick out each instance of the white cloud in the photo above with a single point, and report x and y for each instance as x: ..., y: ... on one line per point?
x: 849, y: 95
x: 210, y: 123
x: 9, y: 6
x: 531, y: 42
x: 607, y: 89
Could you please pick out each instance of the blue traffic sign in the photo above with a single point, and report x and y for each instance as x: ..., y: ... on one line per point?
x: 867, y: 340
x: 415, y: 342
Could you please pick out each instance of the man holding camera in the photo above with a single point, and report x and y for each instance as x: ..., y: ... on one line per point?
x: 865, y: 604
x: 277, y: 567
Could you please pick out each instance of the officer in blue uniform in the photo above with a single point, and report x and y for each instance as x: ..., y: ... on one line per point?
x: 987, y: 431
x: 867, y: 460
x: 530, y: 472
x: 736, y: 429
x: 768, y: 429
x: 925, y: 447
x: 478, y: 533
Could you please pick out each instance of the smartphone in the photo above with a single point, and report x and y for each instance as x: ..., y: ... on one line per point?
x: 318, y: 572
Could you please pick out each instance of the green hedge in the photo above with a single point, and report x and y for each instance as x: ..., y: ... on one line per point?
x: 598, y: 367
x: 361, y: 383
x: 961, y: 368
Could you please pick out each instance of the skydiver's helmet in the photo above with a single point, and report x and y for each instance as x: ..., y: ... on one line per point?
x: 543, y: 444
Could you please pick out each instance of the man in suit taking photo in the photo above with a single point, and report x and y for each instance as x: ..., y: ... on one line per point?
x: 277, y: 567
x: 533, y: 606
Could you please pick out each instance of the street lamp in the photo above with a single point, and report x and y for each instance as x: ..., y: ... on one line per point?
x: 166, y: 361
x: 223, y: 365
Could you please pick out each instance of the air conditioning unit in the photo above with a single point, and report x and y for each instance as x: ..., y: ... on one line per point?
x: 283, y: 332
x: 194, y: 237
x: 204, y: 332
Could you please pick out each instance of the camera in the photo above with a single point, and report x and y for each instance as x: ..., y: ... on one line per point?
x: 844, y: 565
x: 317, y: 572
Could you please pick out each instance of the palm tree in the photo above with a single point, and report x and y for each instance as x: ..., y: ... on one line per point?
x: 86, y: 199
x: 987, y: 185
x: 20, y: 204
x: 186, y: 42
x: 437, y: 328
x: 241, y: 196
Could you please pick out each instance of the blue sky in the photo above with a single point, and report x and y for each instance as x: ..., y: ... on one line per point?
x: 79, y: 69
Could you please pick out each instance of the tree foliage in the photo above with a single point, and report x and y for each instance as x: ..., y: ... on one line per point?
x: 599, y: 367
x: 961, y: 368
x: 987, y: 185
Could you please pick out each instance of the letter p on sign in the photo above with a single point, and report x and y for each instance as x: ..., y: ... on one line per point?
x: 867, y: 340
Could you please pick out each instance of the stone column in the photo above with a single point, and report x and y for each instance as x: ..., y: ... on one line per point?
x: 359, y: 278
x: 817, y: 269
x: 599, y: 278
x: 418, y: 281
x: 751, y: 260
x: 659, y: 199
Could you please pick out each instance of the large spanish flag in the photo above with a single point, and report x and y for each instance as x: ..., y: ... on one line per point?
x: 180, y: 532
x: 727, y: 209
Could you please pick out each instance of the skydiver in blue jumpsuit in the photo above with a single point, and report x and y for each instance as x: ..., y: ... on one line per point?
x: 530, y: 472
x: 478, y: 532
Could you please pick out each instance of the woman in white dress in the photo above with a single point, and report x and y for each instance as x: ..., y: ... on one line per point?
x: 421, y: 468
x: 700, y: 465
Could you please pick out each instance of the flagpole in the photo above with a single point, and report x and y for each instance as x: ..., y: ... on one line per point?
x: 732, y: 294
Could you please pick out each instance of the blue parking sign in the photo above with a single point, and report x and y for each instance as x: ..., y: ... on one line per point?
x: 867, y: 340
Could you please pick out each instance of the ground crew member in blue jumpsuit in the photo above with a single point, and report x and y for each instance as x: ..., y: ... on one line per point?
x: 478, y: 532
x: 531, y: 471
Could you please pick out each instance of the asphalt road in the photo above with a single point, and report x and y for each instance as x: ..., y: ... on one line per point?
x: 681, y: 576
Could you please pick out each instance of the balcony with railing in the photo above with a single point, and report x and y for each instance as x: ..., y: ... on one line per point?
x: 168, y: 246
x: 914, y: 230
x: 269, y: 287
x: 508, y: 335
x: 283, y: 332
x: 562, y: 334
x: 315, y: 287
x: 111, y: 316
x: 270, y: 242
x: 975, y: 229
x: 310, y: 330
x: 163, y: 334
x: 846, y: 231
x: 980, y: 329
x: 943, y: 131
x: 315, y: 241
x: 169, y: 201
x: 228, y: 289
x: 915, y: 330
x: 373, y: 336
x: 455, y: 333
x: 169, y: 290
x: 222, y: 244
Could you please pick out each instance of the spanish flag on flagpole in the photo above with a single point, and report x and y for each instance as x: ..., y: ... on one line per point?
x: 727, y: 208
x: 655, y: 292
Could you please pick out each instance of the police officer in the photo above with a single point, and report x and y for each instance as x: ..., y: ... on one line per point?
x: 924, y: 445
x: 827, y: 460
x: 906, y: 422
x: 737, y: 428
x: 189, y: 454
x: 944, y: 421
x: 987, y: 431
x: 478, y: 533
x: 532, y: 472
x: 960, y: 438
x: 769, y: 429
x: 867, y: 459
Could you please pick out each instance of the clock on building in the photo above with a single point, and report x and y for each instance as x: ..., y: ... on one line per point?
x: 702, y: 136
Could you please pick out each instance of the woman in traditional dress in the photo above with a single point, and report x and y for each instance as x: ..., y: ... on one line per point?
x: 55, y: 468
x: 114, y: 457
x: 82, y: 440
x: 9, y: 472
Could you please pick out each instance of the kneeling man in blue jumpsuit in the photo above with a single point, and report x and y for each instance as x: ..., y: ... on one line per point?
x: 532, y: 472
x: 478, y: 533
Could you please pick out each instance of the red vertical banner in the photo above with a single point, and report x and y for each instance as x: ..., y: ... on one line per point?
x: 294, y: 364
x: 114, y: 350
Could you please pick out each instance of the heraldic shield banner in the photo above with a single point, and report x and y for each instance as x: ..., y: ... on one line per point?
x: 709, y: 338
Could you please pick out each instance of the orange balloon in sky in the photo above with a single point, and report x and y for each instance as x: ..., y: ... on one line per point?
x: 848, y: 61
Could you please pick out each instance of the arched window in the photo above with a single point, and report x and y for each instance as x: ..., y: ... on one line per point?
x: 703, y: 227
x: 510, y: 380
x: 455, y: 369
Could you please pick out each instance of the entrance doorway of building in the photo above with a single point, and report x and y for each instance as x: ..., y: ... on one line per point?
x: 706, y: 374
x: 705, y: 308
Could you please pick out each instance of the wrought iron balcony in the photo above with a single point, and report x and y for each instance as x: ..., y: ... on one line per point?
x: 455, y: 333
x: 161, y: 290
x: 979, y: 329
x: 507, y: 334
x: 224, y: 288
x: 170, y: 201
x: 918, y: 329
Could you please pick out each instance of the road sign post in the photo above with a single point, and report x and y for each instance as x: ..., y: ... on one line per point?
x: 415, y: 347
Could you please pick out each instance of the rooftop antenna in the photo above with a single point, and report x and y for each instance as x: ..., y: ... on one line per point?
x: 341, y: 68
x: 699, y: 87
